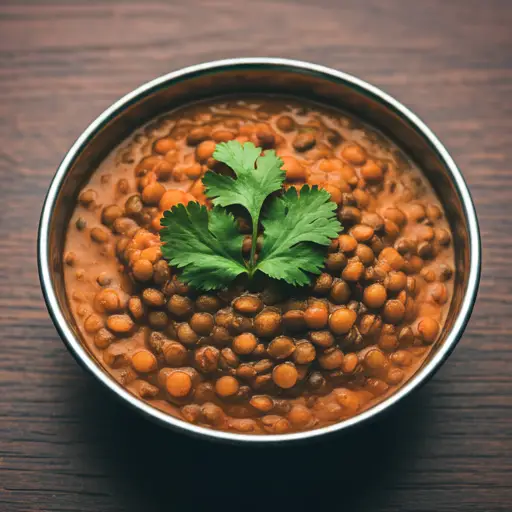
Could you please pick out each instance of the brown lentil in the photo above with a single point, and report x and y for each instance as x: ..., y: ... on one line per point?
x: 316, y: 316
x: 295, y: 171
x: 206, y: 358
x: 375, y: 360
x: 395, y: 215
x: 304, y: 141
x: 99, y: 235
x: 300, y: 416
x: 227, y: 386
x: 221, y: 336
x: 248, y: 305
x: 142, y: 270
x: 348, y: 400
x: 158, y: 319
x: 245, y: 343
x: 153, y: 297
x: 143, y: 361
x: 323, y: 284
x: 103, y: 338
x: 372, y: 172
x: 395, y: 281
x: 392, y: 258
x: 395, y: 376
x: 120, y: 324
x: 370, y: 325
x: 428, y: 329
x: 186, y: 334
x: 178, y: 384
x: 350, y: 363
x: 305, y: 352
x: 354, y: 154
x: 267, y: 323
x: 340, y: 292
x: 180, y: 306
x: 342, y: 320
x: 191, y: 413
x: 401, y: 358
x: 442, y: 236
x: 375, y: 295
x: 393, y: 311
x: 281, y: 347
x: 285, y: 124
x: 285, y: 375
x: 365, y: 254
x: 388, y: 340
x: 322, y: 338
x: 208, y: 303
x: 336, y: 262
x: 347, y: 243
x: 175, y: 354
x: 353, y: 271
x: 136, y: 308
x: 107, y: 300
x: 331, y: 359
x: 202, y: 323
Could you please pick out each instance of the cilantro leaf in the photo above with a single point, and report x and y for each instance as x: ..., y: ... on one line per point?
x: 256, y: 178
x: 295, y: 225
x: 205, y: 244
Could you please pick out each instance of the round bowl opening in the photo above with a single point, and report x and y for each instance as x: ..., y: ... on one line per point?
x: 260, y: 76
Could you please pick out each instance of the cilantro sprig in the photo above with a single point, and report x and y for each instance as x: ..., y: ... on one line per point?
x: 207, y: 246
x: 256, y: 178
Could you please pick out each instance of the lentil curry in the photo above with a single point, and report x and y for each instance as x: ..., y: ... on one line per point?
x: 269, y: 359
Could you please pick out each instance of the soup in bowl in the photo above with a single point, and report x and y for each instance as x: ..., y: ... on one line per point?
x: 262, y: 265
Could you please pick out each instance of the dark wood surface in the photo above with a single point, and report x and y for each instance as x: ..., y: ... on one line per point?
x: 65, y: 446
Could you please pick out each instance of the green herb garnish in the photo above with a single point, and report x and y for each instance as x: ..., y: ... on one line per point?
x: 294, y: 228
x: 207, y: 245
x: 256, y: 178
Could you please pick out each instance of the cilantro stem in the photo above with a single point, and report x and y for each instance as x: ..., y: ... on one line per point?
x: 255, y: 222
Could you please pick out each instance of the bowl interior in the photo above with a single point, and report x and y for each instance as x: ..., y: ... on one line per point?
x: 309, y: 82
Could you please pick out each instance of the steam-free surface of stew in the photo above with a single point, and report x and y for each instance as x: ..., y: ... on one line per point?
x: 262, y: 358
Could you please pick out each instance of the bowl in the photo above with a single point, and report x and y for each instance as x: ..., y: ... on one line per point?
x: 247, y: 76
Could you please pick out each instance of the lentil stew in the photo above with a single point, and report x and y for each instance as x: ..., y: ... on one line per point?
x: 269, y: 359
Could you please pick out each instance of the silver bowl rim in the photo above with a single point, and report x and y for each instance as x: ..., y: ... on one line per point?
x: 75, y: 346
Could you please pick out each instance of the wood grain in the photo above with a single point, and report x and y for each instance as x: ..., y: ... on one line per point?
x: 64, y: 445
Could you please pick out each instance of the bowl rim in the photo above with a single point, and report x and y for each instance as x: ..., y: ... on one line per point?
x: 80, y: 353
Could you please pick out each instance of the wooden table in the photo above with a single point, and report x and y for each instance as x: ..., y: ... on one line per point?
x: 65, y: 445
